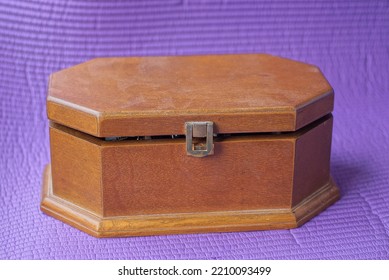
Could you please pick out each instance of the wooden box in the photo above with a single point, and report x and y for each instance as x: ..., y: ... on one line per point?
x: 166, y: 145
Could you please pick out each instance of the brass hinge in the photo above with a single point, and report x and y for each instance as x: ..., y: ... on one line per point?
x: 199, y: 138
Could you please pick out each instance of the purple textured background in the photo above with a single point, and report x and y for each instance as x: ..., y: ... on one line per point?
x: 348, y: 40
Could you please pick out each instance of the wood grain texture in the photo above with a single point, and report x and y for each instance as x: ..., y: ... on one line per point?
x: 76, y: 170
x: 138, y: 96
x: 312, y: 160
x: 142, y: 187
x: 149, y: 178
x: 154, y: 224
x: 152, y: 184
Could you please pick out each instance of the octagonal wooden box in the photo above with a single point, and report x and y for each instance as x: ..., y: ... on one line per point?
x: 164, y: 145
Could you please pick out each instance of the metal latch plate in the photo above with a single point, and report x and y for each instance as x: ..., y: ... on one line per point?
x: 199, y: 138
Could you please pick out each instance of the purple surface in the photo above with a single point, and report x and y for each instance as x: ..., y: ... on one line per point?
x: 348, y: 40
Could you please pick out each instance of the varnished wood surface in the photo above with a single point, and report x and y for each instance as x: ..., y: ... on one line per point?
x: 141, y: 96
x: 312, y: 161
x: 257, y: 178
x: 156, y: 176
x: 153, y: 224
x: 147, y: 179
x: 76, y: 170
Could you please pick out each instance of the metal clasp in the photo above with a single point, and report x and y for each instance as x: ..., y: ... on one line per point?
x: 195, y: 133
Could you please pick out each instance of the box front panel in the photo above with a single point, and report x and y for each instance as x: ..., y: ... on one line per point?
x: 156, y: 177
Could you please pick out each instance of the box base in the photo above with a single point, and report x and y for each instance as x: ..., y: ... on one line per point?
x: 179, y: 223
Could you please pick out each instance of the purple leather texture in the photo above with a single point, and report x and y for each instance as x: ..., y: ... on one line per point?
x: 348, y: 40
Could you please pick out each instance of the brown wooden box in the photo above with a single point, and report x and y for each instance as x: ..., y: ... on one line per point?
x: 164, y: 145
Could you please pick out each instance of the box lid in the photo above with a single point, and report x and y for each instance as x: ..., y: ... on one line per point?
x: 144, y: 96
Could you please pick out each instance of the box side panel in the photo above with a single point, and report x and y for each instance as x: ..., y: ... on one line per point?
x: 249, y: 173
x: 312, y: 161
x: 76, y: 170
